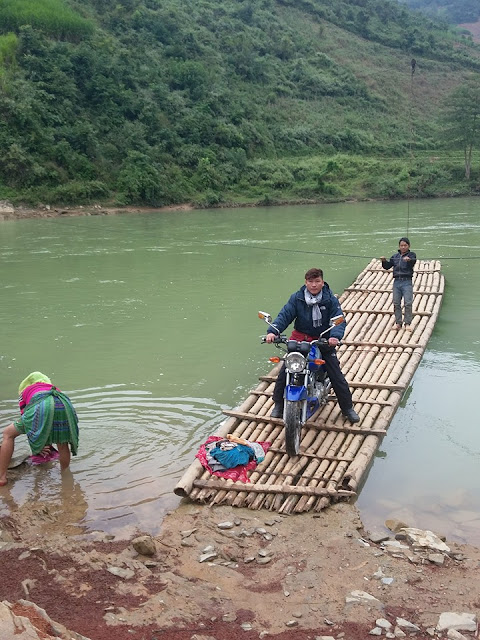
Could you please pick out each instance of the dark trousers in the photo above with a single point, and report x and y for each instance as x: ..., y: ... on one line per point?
x: 339, y: 384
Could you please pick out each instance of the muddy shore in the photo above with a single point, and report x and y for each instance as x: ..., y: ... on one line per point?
x: 256, y: 575
x: 9, y: 212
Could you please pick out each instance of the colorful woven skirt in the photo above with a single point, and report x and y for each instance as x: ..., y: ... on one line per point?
x: 49, y: 418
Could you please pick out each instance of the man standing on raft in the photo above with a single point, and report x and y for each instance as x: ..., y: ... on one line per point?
x: 402, y: 262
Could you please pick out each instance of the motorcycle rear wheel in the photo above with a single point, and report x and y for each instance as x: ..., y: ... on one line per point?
x: 293, y: 427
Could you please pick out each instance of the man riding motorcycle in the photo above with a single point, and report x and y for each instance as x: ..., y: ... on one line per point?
x: 311, y: 308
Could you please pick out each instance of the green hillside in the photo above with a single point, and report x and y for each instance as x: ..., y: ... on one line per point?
x: 157, y: 102
x: 456, y: 12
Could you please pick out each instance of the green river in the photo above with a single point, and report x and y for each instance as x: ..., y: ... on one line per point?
x: 149, y: 322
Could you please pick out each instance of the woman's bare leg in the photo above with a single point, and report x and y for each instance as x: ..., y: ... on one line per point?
x: 6, y: 451
x: 64, y: 455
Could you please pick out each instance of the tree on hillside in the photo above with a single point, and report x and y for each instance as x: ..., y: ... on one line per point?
x: 462, y: 119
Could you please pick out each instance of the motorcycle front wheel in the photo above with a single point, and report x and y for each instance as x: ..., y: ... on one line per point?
x: 293, y: 427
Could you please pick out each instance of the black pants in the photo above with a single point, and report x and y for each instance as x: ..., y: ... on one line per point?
x: 339, y: 384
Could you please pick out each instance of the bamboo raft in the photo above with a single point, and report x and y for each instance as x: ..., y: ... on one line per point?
x: 378, y: 362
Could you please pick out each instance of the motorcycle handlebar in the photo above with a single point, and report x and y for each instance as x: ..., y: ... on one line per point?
x: 276, y: 340
x: 321, y: 342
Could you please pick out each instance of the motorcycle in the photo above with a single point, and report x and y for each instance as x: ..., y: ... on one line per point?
x: 308, y: 384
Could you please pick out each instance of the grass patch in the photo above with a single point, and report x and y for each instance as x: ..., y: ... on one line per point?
x: 53, y: 17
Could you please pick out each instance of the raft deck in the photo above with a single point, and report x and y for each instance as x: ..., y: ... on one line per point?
x: 378, y: 362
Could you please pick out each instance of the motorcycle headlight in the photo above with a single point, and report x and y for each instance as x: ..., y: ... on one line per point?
x: 295, y: 362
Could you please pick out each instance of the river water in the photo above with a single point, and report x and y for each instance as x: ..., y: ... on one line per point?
x: 149, y: 322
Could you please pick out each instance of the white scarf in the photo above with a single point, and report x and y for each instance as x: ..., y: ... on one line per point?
x: 313, y: 301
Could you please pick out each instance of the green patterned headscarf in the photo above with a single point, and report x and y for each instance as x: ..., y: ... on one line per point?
x: 32, y: 378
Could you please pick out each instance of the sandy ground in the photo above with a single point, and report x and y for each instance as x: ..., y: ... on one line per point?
x: 264, y: 575
x: 8, y: 212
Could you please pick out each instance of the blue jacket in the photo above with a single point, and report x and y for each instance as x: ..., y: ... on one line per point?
x: 401, y: 268
x: 298, y: 310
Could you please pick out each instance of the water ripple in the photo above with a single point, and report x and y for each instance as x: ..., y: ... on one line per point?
x: 134, y: 446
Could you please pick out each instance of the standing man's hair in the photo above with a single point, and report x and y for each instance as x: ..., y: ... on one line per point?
x: 404, y: 239
x: 313, y: 274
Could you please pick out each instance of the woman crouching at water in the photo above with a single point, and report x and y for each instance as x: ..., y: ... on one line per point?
x: 47, y: 418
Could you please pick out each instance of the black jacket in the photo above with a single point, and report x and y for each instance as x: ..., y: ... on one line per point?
x: 401, y: 268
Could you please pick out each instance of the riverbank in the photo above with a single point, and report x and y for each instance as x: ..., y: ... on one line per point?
x: 286, y: 181
x: 9, y: 212
x: 221, y: 573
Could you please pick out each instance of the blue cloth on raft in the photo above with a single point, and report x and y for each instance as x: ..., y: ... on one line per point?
x: 230, y: 454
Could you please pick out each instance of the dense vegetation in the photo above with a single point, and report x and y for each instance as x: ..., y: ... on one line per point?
x: 162, y: 101
x: 457, y: 12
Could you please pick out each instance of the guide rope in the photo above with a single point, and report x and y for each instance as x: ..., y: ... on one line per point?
x: 413, y: 64
x: 225, y: 243
x: 327, y: 253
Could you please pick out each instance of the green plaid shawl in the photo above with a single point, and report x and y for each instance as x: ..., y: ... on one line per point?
x: 49, y: 419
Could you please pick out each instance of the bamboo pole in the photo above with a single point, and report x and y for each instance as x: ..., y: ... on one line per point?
x: 384, y: 290
x: 328, y: 449
x: 273, y: 488
x: 373, y: 311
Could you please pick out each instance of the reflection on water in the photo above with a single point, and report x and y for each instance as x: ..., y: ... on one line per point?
x: 133, y: 448
x: 46, y: 503
x: 149, y: 322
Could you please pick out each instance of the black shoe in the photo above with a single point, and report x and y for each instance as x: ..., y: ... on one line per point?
x: 351, y: 415
x: 277, y: 411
